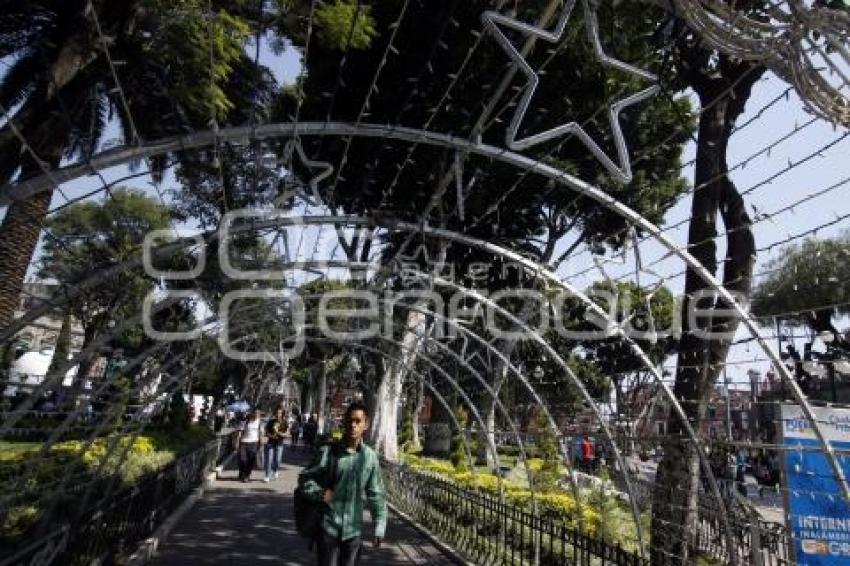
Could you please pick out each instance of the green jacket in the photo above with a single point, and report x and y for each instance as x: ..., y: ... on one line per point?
x: 357, y: 472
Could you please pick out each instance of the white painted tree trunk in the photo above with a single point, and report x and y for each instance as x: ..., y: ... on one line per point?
x: 308, y: 397
x: 384, y: 427
x: 417, y: 408
x: 487, y: 436
x: 323, y: 394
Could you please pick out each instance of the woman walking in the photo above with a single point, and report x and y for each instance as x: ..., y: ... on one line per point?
x: 249, y: 445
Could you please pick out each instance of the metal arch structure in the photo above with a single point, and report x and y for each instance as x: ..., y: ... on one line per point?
x: 120, y: 156
x: 95, y: 346
x: 480, y: 298
x: 532, y: 266
x: 528, y: 264
x: 496, y: 250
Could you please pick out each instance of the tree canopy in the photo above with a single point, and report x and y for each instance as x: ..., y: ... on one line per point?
x: 806, y: 284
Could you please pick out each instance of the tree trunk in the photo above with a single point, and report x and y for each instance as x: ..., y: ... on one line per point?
x: 419, y: 393
x: 500, y: 376
x: 700, y: 360
x: 19, y: 235
x: 487, y: 435
x: 323, y: 395
x: 384, y: 428
x: 438, y: 437
x: 24, y: 219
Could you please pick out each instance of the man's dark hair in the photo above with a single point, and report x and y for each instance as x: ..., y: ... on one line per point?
x: 357, y: 406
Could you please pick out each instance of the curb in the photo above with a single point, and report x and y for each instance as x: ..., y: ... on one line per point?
x: 448, y: 551
x: 147, y: 548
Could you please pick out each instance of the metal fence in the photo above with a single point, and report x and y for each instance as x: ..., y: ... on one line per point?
x: 112, y: 529
x: 757, y: 542
x: 488, y: 531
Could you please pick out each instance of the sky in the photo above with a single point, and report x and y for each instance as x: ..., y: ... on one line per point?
x: 787, y: 117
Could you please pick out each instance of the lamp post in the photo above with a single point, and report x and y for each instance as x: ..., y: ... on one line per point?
x: 755, y: 378
x: 728, y: 406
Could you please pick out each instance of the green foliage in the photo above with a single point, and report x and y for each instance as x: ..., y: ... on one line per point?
x: 547, y: 445
x: 460, y: 444
x: 91, y: 236
x: 119, y: 393
x: 554, y: 504
x: 117, y: 457
x: 605, y: 515
x: 408, y: 421
x: 178, y: 412
x: 573, y: 85
x: 7, y: 356
x: 194, y: 42
x: 335, y: 19
x: 805, y: 281
x: 650, y: 317
x: 18, y: 519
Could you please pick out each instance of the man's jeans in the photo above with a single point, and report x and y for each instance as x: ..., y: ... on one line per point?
x: 272, y: 458
x: 333, y: 552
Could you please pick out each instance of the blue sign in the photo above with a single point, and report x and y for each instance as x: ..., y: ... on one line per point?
x: 819, y: 516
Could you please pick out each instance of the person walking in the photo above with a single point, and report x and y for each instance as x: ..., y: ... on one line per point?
x: 587, y: 454
x: 356, y: 472
x: 249, y: 444
x: 295, y: 432
x: 275, y: 433
x: 311, y: 430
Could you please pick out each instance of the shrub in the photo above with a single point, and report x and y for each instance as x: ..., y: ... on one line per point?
x: 555, y: 504
x: 546, y: 478
x: 458, y: 454
x: 178, y: 412
x: 18, y: 520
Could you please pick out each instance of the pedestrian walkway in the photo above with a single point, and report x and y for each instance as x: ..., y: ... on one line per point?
x: 253, y: 523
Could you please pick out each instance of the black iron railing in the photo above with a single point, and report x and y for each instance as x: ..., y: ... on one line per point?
x: 756, y: 541
x: 112, y: 529
x: 488, y: 531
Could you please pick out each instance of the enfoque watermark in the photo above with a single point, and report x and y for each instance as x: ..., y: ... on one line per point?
x: 351, y: 315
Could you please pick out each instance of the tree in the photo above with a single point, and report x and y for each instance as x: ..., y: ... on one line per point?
x: 178, y: 412
x: 63, y: 346
x: 723, y: 85
x: 650, y: 319
x: 460, y: 444
x: 547, y: 448
x: 413, y: 83
x: 91, y: 236
x: 62, y: 86
x: 807, y: 285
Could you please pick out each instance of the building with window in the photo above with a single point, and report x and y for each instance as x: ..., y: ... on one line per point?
x: 42, y: 333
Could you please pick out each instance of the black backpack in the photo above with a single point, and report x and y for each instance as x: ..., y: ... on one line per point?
x: 308, y: 512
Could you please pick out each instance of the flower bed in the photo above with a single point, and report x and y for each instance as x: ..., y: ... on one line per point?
x: 603, y: 516
x: 33, y: 478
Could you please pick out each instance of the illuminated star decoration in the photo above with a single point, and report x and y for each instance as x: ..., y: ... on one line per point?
x: 621, y: 172
x: 313, y: 199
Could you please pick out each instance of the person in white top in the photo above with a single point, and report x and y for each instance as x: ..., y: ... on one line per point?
x: 250, y: 438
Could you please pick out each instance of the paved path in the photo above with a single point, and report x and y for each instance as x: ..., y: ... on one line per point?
x: 252, y: 523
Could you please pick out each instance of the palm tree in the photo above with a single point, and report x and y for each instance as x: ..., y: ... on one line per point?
x: 64, y: 93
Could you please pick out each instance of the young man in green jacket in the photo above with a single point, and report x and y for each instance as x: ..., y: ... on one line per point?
x: 357, y: 471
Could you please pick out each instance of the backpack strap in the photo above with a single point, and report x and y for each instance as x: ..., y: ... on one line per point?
x: 334, y: 463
